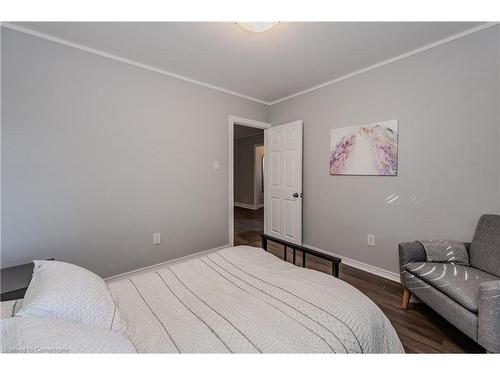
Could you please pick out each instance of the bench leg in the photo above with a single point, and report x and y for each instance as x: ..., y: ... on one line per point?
x: 406, y: 299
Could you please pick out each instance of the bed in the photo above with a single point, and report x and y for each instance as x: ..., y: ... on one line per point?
x: 245, y: 300
x: 236, y: 300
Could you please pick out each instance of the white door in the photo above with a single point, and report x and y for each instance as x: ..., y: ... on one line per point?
x: 283, y: 194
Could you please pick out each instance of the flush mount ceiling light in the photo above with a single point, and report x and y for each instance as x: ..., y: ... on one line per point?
x: 256, y: 27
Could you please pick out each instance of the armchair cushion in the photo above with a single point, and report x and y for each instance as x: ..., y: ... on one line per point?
x: 460, y: 283
x: 446, y: 251
x: 485, y: 247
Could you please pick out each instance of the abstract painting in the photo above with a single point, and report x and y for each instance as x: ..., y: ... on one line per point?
x: 370, y: 149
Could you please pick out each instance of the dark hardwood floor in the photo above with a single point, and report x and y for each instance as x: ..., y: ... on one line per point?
x: 248, y: 225
x: 420, y: 329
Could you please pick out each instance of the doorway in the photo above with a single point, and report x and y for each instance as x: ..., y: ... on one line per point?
x: 246, y: 181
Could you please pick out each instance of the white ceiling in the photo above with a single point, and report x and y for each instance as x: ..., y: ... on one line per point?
x: 287, y: 59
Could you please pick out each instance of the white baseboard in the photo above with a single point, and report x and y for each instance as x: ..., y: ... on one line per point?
x: 163, y: 264
x: 393, y: 276
x: 245, y: 205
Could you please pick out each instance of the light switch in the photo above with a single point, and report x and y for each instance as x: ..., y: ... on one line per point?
x: 156, y: 238
x: 216, y: 165
x: 371, y: 240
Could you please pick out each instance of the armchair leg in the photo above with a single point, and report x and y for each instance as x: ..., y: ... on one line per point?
x: 406, y: 299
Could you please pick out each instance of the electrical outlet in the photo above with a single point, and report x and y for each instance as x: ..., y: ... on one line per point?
x: 156, y: 238
x: 370, y: 240
x: 216, y: 165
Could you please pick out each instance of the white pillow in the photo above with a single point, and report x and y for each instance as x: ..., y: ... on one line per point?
x: 64, y: 291
x: 40, y: 335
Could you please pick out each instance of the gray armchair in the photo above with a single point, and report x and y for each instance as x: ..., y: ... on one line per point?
x: 467, y: 296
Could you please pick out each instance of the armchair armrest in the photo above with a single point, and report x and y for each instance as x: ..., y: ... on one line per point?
x: 489, y: 316
x: 409, y: 252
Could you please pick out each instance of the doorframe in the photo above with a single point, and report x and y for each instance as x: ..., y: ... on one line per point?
x: 235, y: 120
x: 255, y: 173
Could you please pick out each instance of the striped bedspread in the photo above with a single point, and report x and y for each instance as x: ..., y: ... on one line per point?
x: 244, y: 300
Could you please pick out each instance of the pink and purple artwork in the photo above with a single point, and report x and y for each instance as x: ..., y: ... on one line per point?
x: 370, y: 149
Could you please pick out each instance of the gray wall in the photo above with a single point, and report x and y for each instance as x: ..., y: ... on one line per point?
x: 244, y: 172
x: 447, y: 102
x: 97, y: 155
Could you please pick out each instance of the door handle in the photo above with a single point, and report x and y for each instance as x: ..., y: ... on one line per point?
x: 296, y: 195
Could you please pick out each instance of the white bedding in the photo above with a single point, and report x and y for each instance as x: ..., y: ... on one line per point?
x: 65, y: 291
x: 243, y: 299
x: 9, y: 308
x: 41, y: 335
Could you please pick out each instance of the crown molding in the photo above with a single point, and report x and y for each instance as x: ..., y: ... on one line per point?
x: 390, y: 61
x: 220, y: 89
x: 110, y: 56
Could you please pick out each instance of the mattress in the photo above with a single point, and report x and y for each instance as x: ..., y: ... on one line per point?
x: 245, y: 300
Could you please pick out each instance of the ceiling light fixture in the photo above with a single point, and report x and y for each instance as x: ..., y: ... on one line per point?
x: 256, y: 27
